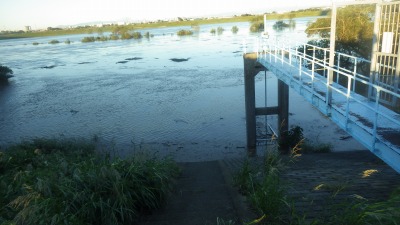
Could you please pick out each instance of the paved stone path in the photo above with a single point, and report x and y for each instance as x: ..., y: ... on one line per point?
x: 202, y: 197
x: 204, y: 191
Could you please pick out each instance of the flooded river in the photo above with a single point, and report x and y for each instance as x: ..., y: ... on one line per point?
x: 175, y: 95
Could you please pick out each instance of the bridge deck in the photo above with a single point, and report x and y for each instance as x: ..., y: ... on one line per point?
x: 372, y: 124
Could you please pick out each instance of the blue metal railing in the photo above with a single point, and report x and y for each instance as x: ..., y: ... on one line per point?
x: 306, y: 69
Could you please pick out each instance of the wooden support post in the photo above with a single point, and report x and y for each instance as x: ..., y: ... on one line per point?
x: 251, y: 69
x: 283, y: 115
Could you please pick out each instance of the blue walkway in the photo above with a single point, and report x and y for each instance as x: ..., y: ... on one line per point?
x: 368, y: 121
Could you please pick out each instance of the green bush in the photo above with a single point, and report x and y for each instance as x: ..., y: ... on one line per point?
x: 213, y: 31
x: 114, y: 37
x: 257, y: 26
x: 66, y: 182
x: 184, y: 33
x: 88, y: 39
x: 220, y: 30
x: 281, y: 25
x: 136, y: 35
x: 101, y: 38
x: 54, y: 42
x: 126, y: 36
x: 235, y: 29
x: 5, y: 74
x: 292, y: 138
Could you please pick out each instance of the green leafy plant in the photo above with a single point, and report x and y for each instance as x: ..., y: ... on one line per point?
x: 114, y: 37
x: 184, y: 33
x: 5, y: 74
x: 235, y: 29
x: 257, y: 26
x: 264, y: 188
x: 102, y: 38
x: 147, y: 35
x: 360, y: 211
x: 292, y: 138
x: 220, y: 30
x: 66, y: 182
x: 54, y: 42
x: 88, y: 39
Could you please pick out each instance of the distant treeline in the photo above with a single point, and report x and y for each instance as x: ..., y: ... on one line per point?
x: 160, y: 23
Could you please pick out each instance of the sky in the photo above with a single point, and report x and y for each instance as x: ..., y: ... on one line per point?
x: 16, y: 14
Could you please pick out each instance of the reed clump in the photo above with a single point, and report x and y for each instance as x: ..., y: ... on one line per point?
x: 67, y: 182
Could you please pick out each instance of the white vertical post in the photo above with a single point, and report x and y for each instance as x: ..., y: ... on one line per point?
x: 325, y: 62
x: 265, y: 24
x: 348, y: 100
x: 338, y: 68
x: 331, y: 53
x: 375, y: 39
x: 374, y: 132
x: 355, y: 75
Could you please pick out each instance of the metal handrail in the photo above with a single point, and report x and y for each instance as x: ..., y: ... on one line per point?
x: 296, y: 60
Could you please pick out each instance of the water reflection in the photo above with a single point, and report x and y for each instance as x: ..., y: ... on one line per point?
x: 177, y: 95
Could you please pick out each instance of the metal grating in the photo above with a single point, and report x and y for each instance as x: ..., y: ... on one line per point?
x: 386, y: 52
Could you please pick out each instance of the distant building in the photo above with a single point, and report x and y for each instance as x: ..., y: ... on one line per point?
x: 28, y: 28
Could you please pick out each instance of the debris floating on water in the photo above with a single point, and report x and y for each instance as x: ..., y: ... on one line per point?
x: 48, y: 67
x: 73, y: 111
x: 179, y: 59
x: 134, y: 58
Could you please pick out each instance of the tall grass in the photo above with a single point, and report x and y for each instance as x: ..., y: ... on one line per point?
x: 66, y: 182
x: 264, y: 188
x: 268, y: 195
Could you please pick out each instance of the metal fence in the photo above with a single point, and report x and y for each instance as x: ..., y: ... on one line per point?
x: 306, y: 69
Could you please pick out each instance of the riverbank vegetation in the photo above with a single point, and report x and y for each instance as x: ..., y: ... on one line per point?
x: 268, y: 195
x: 67, y: 182
x: 354, y: 30
x: 54, y: 42
x: 235, y: 29
x: 160, y: 24
x: 354, y: 35
x: 184, y: 33
x: 257, y: 22
x: 5, y: 74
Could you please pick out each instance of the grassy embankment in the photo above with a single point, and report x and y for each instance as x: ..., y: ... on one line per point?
x: 67, y: 182
x: 90, y: 30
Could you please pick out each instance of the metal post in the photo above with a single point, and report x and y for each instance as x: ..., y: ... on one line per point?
x: 374, y: 132
x: 331, y: 54
x: 265, y: 24
x: 375, y: 44
x: 355, y: 75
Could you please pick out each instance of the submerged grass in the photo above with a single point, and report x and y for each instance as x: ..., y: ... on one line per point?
x: 66, y: 182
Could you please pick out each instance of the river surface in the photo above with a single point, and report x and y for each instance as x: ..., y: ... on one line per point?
x: 129, y: 95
